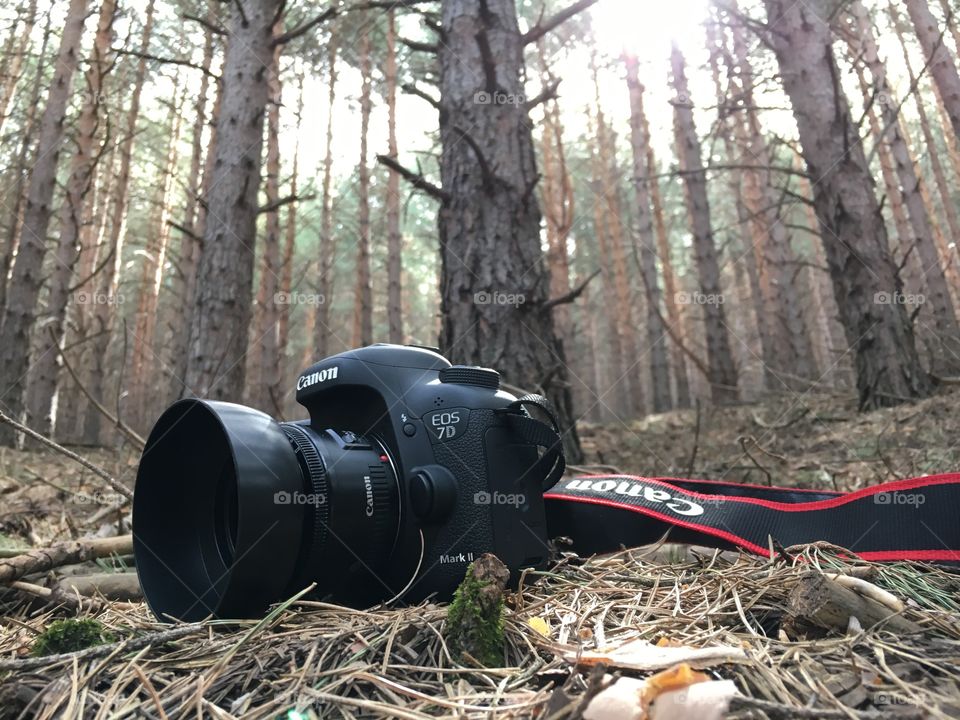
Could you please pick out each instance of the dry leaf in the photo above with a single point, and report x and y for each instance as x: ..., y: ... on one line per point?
x: 540, y: 625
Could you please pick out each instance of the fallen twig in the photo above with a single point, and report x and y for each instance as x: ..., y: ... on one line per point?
x: 96, y: 469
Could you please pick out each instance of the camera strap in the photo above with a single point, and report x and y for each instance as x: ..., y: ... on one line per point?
x: 551, y: 464
x: 914, y: 519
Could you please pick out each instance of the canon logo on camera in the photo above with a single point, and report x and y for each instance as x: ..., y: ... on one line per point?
x: 305, y: 381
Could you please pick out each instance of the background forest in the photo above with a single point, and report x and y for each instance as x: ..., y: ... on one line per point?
x: 728, y: 200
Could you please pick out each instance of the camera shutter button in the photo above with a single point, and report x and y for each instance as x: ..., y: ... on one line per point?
x: 433, y: 492
x: 470, y: 375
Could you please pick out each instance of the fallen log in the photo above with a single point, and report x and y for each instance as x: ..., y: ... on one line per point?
x: 820, y: 602
x: 65, y: 553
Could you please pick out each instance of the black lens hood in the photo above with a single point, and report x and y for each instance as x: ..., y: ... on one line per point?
x: 216, y: 523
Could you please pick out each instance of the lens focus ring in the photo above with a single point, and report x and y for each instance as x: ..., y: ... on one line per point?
x: 310, y: 461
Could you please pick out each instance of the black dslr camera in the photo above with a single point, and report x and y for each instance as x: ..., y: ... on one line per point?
x: 408, y: 468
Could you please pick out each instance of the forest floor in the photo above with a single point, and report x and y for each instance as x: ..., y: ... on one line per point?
x: 722, y: 612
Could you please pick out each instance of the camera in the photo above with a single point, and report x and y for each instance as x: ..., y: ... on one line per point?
x: 408, y: 468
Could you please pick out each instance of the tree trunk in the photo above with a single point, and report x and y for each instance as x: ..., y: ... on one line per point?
x: 940, y: 59
x: 749, y: 240
x: 19, y: 313
x: 656, y: 331
x: 828, y: 315
x: 363, y: 292
x: 394, y: 258
x: 938, y: 300
x: 113, y: 246
x: 627, y: 383
x: 911, y: 268
x: 143, y: 409
x: 290, y: 240
x: 557, y: 196
x: 18, y: 42
x: 22, y: 171
x: 674, y: 316
x: 70, y: 399
x: 326, y: 249
x: 611, y: 398
x: 263, y: 352
x: 855, y: 239
x: 793, y: 350
x: 489, y: 225
x: 722, y: 372
x: 191, y: 222
x: 221, y: 314
x: 933, y: 152
x: 74, y: 216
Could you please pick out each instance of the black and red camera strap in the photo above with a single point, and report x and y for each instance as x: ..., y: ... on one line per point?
x: 916, y: 519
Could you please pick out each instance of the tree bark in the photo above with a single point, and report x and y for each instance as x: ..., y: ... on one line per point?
x: 221, y: 314
x: 489, y: 225
x: 647, y: 253
x: 945, y: 329
x: 894, y: 197
x: 855, y: 240
x: 941, y: 61
x: 263, y: 377
x: 326, y: 249
x: 394, y: 257
x: 722, y: 372
x: 74, y: 216
x: 363, y: 291
x: 20, y: 310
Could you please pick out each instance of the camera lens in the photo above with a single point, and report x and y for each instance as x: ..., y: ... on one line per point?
x: 353, y: 508
x: 233, y: 511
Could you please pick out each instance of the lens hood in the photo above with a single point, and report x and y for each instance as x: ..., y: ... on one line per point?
x: 216, y: 530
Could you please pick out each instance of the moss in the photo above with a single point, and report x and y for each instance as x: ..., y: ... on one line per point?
x: 63, y: 636
x: 475, y: 617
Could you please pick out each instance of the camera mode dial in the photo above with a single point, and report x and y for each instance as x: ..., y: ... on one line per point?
x: 470, y: 375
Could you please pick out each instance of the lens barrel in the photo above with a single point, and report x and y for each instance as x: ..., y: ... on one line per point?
x: 233, y: 511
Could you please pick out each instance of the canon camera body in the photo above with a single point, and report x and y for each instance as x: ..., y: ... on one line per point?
x: 407, y: 469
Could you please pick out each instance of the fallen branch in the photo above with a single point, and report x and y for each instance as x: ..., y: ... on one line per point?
x: 95, y: 469
x: 779, y: 425
x: 156, y: 638
x: 66, y: 553
x: 120, y: 425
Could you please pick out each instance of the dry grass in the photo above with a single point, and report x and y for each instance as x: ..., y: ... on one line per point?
x: 324, y: 660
